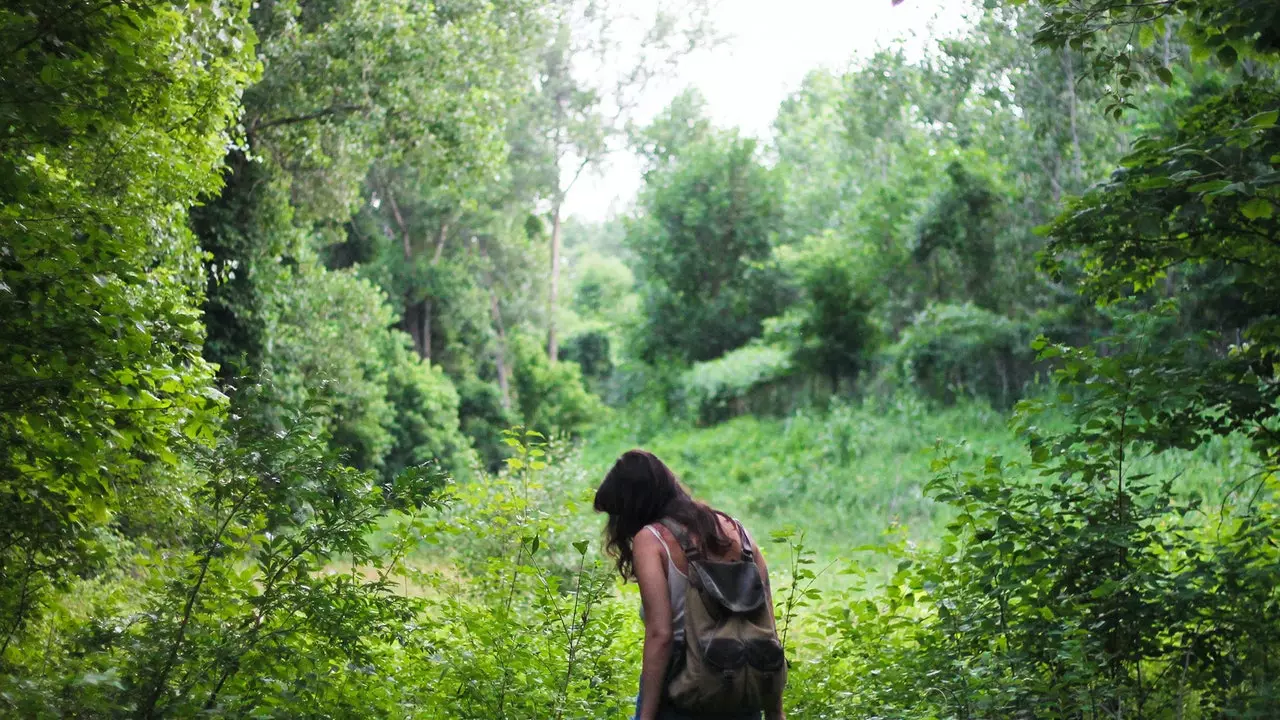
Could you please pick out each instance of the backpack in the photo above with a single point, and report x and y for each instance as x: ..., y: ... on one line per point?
x: 731, y: 660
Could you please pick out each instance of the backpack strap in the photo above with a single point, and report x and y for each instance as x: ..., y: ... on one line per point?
x: 691, y: 552
x: 748, y: 552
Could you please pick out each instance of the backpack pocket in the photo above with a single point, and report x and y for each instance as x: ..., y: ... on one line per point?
x: 725, y: 655
x: 765, y: 654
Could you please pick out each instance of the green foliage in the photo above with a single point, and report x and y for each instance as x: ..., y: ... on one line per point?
x: 526, y: 623
x: 327, y: 339
x: 116, y: 117
x: 1226, y: 30
x: 708, y: 224
x: 246, y: 231
x: 832, y: 327
x: 374, y: 252
x: 1076, y: 583
x: 360, y: 104
x: 243, y: 604
x: 483, y: 418
x: 601, y: 286
x: 957, y: 235
x: 591, y: 352
x: 955, y: 350
x: 551, y: 396
x: 426, y: 406
x: 681, y: 125
x: 355, y: 80
x: 721, y: 388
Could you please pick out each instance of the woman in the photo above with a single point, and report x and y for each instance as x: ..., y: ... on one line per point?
x: 637, y: 493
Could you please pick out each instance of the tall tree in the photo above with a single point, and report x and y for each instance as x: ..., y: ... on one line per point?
x: 115, y: 117
x: 597, y: 59
x: 707, y: 225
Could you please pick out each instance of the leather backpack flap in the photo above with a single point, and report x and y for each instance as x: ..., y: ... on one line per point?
x: 736, y: 586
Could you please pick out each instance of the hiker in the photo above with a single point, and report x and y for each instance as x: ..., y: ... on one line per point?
x: 711, y: 649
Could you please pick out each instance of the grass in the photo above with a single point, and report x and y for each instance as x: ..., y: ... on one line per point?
x: 852, y: 473
x: 844, y: 476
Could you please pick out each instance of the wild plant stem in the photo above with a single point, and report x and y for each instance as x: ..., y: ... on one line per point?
x: 147, y: 710
x: 572, y: 639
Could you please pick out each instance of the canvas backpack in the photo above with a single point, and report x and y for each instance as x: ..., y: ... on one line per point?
x: 731, y: 660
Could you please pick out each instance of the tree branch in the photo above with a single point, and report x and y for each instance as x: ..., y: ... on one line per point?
x: 296, y: 119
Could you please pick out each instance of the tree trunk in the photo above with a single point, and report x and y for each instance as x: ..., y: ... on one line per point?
x: 553, y: 348
x: 500, y: 355
x: 416, y: 321
x: 426, y: 330
x: 1077, y: 161
x: 412, y: 325
x: 427, y: 305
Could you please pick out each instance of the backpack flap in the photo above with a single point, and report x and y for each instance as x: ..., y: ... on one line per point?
x: 736, y: 586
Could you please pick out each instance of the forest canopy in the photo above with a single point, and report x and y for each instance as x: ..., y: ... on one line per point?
x: 307, y: 372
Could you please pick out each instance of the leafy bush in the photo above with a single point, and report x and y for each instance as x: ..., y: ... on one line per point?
x: 116, y: 121
x: 953, y: 350
x: 525, y: 621
x: 328, y: 339
x: 724, y: 387
x: 552, y: 397
x: 240, y: 605
x: 426, y: 406
x: 484, y: 418
x: 591, y: 351
x: 1077, y: 583
x: 832, y: 327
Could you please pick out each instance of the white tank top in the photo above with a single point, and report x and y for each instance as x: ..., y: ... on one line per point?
x: 677, y: 583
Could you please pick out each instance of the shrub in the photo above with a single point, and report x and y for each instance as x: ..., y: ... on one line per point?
x: 952, y: 350
x: 591, y: 351
x: 727, y: 386
x: 328, y: 340
x: 552, y: 397
x: 831, y: 328
x: 425, y: 426
x: 484, y: 418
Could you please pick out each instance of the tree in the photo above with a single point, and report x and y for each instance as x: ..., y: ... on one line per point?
x: 834, y: 331
x: 361, y: 105
x: 116, y: 118
x: 706, y: 230
x: 591, y: 73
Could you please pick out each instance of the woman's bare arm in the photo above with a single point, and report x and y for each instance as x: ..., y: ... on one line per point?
x: 776, y: 713
x: 651, y: 576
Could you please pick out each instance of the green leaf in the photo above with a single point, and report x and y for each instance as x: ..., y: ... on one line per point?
x: 1155, y: 183
x: 1257, y: 208
x: 1264, y: 119
x: 1210, y: 186
x: 581, y: 546
x: 1228, y: 56
x: 1165, y: 75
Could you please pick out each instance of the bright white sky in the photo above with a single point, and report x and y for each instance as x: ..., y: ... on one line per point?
x: 771, y: 46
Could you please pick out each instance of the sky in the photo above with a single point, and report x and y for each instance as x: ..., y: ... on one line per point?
x: 770, y: 47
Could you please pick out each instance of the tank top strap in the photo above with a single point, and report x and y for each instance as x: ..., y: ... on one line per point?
x: 662, y: 540
x: 671, y: 562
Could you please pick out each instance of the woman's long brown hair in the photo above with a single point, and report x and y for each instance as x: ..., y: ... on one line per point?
x: 640, y: 489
